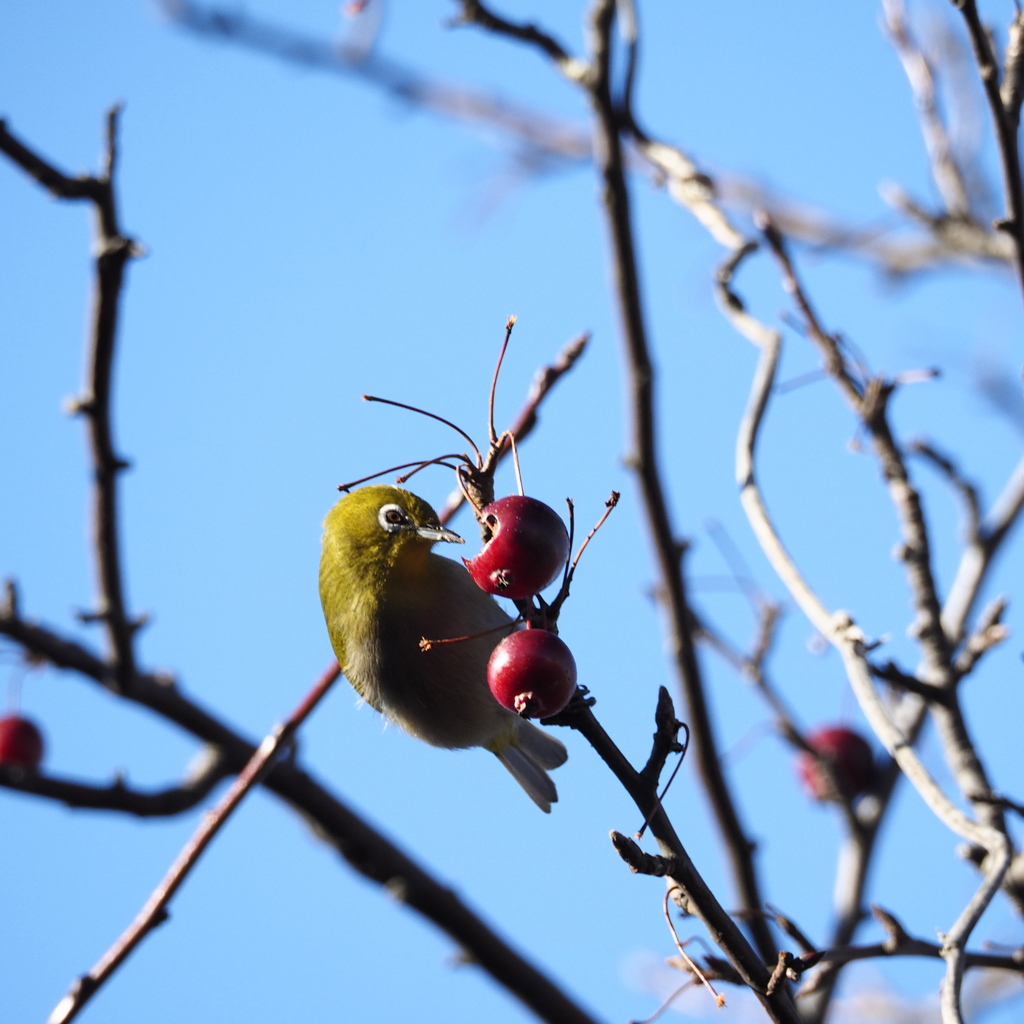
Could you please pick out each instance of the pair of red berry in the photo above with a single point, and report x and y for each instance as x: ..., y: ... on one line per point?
x: 531, y: 672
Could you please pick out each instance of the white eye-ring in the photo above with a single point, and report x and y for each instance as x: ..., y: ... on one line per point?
x: 393, y: 518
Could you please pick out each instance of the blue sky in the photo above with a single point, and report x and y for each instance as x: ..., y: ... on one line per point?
x: 309, y: 240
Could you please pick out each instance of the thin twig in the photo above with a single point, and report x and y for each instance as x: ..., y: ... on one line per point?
x: 674, y: 861
x: 570, y: 568
x: 118, y: 796
x: 988, y: 633
x: 493, y: 437
x: 643, y: 458
x: 899, y: 944
x: 1005, y: 127
x: 687, y: 959
x: 979, y: 555
x: 544, y: 141
x: 474, y: 13
x: 154, y: 912
x: 365, y: 849
x: 431, y: 415
x: 113, y: 251
x: 967, y: 491
x: 948, y: 176
x: 544, y: 380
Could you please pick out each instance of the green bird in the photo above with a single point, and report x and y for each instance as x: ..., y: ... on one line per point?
x: 382, y: 591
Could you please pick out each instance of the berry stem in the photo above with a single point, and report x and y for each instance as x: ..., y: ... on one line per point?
x: 572, y: 537
x: 515, y: 462
x: 420, y: 463
x: 509, y: 324
x: 439, y: 461
x: 433, y: 416
x: 719, y: 999
x: 426, y: 644
x: 612, y: 501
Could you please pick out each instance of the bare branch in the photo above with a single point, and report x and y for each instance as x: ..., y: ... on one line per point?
x: 154, y: 912
x: 859, y: 844
x: 1011, y: 92
x: 113, y: 250
x: 770, y: 344
x: 1005, y: 122
x: 989, y: 633
x: 366, y: 850
x: 201, y: 779
x: 54, y: 181
x: 967, y: 491
x: 474, y: 13
x: 899, y: 943
x: 544, y: 139
x: 644, y: 460
x: 695, y: 896
x: 920, y: 241
x: 947, y: 174
x: 543, y: 381
x: 869, y: 400
x: 979, y: 555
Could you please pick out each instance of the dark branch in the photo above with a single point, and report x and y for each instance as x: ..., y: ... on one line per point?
x: 474, y: 13
x: 154, y: 913
x: 366, y: 850
x: 644, y: 460
x: 118, y: 796
x: 695, y: 896
x: 113, y: 250
x: 1005, y: 121
x: 899, y: 943
x: 54, y: 181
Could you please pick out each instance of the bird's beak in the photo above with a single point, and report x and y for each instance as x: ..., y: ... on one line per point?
x: 436, y: 533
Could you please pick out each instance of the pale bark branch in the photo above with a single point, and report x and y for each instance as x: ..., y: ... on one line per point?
x: 543, y: 140
x: 979, y: 555
x: 948, y: 176
x: 869, y: 400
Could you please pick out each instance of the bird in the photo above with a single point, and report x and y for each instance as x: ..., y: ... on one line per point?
x: 383, y: 590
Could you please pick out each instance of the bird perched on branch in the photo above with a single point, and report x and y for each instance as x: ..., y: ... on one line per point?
x: 383, y: 590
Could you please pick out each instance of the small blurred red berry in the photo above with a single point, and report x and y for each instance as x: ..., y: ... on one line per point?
x: 527, y: 549
x: 851, y: 759
x: 21, y: 743
x: 532, y: 673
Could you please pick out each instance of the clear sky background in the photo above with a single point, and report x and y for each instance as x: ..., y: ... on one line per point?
x: 310, y: 239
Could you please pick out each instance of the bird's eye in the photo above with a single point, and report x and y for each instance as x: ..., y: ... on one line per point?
x: 392, y: 517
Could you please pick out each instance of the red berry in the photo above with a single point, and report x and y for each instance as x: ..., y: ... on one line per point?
x: 526, y: 550
x: 21, y: 743
x: 532, y: 673
x: 851, y: 759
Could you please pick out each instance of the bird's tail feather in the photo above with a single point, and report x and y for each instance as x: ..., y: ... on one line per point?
x: 540, y: 746
x: 528, y: 757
